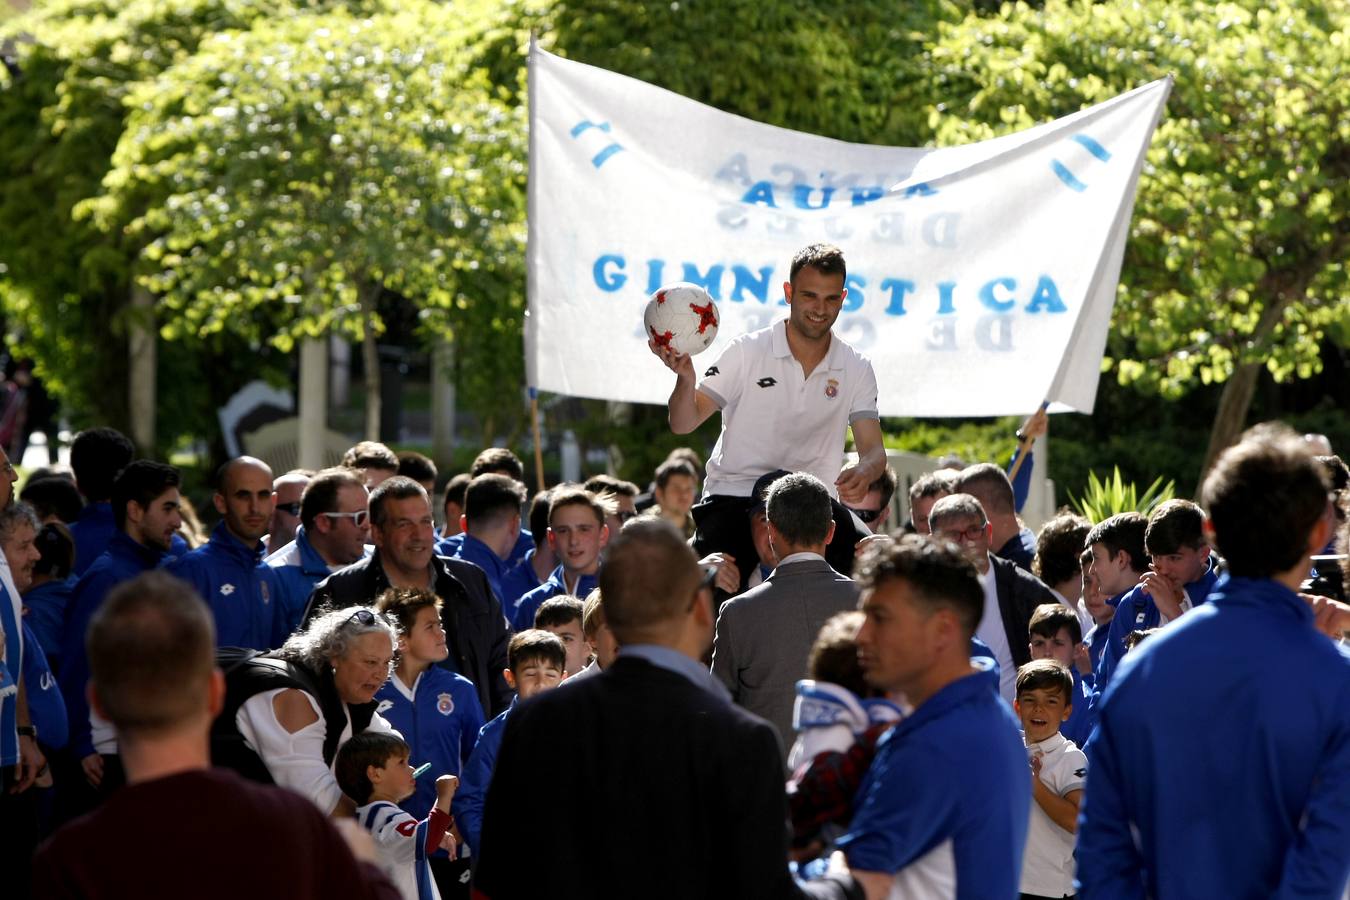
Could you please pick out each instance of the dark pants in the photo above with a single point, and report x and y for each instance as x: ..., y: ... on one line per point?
x: 724, y: 527
x: 19, y: 825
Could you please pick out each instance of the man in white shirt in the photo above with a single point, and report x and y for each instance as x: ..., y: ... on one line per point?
x: 786, y: 393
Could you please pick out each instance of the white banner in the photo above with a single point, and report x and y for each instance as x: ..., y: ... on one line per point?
x: 981, y: 278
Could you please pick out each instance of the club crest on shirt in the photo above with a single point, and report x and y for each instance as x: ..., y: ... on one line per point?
x: 445, y: 704
x: 832, y: 388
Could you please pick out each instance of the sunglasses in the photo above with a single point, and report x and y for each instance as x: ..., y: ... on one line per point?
x: 358, y: 518
x: 361, y: 617
x: 290, y: 508
x: 867, y: 515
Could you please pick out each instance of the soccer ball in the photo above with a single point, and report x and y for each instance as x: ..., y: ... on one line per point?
x: 683, y: 317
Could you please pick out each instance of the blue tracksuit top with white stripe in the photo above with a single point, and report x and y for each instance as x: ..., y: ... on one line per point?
x: 1083, y: 716
x: 1221, y: 763
x: 1136, y: 611
x: 467, y: 807
x: 296, y: 568
x: 471, y: 549
x: 238, y: 588
x: 522, y: 617
x: 439, y: 718
x: 948, y: 796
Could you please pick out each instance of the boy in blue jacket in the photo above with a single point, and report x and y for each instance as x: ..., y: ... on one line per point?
x: 536, y: 661
x: 1221, y: 760
x: 577, y: 533
x: 436, y: 711
x: 1181, y: 574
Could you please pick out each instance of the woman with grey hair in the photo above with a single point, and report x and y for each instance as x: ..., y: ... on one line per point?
x: 287, y: 712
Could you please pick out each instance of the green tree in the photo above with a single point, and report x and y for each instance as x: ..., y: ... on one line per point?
x: 310, y: 163
x: 1237, y: 258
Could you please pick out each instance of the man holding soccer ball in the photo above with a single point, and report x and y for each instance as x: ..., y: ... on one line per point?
x: 786, y: 393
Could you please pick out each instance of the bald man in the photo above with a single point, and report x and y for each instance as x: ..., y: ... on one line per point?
x: 286, y: 493
x: 228, y: 572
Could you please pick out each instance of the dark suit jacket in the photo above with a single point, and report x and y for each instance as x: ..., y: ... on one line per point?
x: 764, y: 637
x: 635, y: 783
x: 1019, y: 593
x: 475, y: 627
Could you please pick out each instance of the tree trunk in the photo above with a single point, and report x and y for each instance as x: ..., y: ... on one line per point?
x: 1234, y: 404
x: 143, y: 360
x: 313, y: 403
x: 370, y: 355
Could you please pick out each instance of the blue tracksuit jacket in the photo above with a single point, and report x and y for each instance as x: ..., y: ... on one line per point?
x: 296, y: 568
x: 440, y: 722
x: 92, y: 531
x: 45, y: 706
x: 471, y: 549
x: 522, y: 617
x: 240, y: 590
x: 524, y: 544
x: 467, y: 807
x: 47, y: 605
x: 1221, y: 762
x: 1136, y: 611
x: 1083, y: 717
x: 519, y: 581
x: 122, y: 561
x: 952, y: 775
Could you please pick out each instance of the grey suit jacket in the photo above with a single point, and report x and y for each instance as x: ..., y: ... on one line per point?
x: 764, y: 637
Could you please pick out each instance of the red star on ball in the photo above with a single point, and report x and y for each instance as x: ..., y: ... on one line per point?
x: 661, y: 339
x: 706, y: 316
x: 660, y: 296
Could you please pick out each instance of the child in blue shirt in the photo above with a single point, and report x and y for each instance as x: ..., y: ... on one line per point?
x: 437, y: 711
x: 536, y: 660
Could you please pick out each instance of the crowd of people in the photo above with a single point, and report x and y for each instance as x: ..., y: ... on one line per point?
x: 370, y: 681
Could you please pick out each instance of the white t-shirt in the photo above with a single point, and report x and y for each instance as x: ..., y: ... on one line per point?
x: 776, y: 417
x: 991, y: 631
x: 396, y: 837
x: 1047, y: 862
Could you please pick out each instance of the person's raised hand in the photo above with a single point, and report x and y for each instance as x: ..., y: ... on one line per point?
x: 682, y: 364
x: 446, y: 786
x: 1037, y: 424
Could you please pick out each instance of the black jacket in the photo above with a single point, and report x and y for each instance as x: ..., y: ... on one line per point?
x: 475, y: 627
x: 685, y: 793
x: 1019, y: 593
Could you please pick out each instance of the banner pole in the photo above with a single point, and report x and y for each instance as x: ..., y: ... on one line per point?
x: 1024, y: 445
x: 538, y: 444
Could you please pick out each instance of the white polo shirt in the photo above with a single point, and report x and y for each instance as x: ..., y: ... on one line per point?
x: 1047, y: 862
x: 775, y: 417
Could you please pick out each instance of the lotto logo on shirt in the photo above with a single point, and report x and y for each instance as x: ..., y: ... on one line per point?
x: 445, y: 704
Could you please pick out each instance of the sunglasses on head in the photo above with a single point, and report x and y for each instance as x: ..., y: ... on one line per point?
x: 361, y: 617
x: 290, y: 508
x: 867, y: 515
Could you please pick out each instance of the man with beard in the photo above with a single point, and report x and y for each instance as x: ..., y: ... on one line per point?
x: 228, y: 572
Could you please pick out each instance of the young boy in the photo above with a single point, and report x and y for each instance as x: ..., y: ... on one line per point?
x: 1056, y: 634
x: 536, y: 660
x: 1058, y: 772
x: 372, y: 768
x: 675, y: 493
x: 1096, y: 603
x: 831, y: 710
x: 576, y: 533
x: 1181, y: 575
x: 599, y: 638
x: 437, y: 711
x: 562, y: 616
